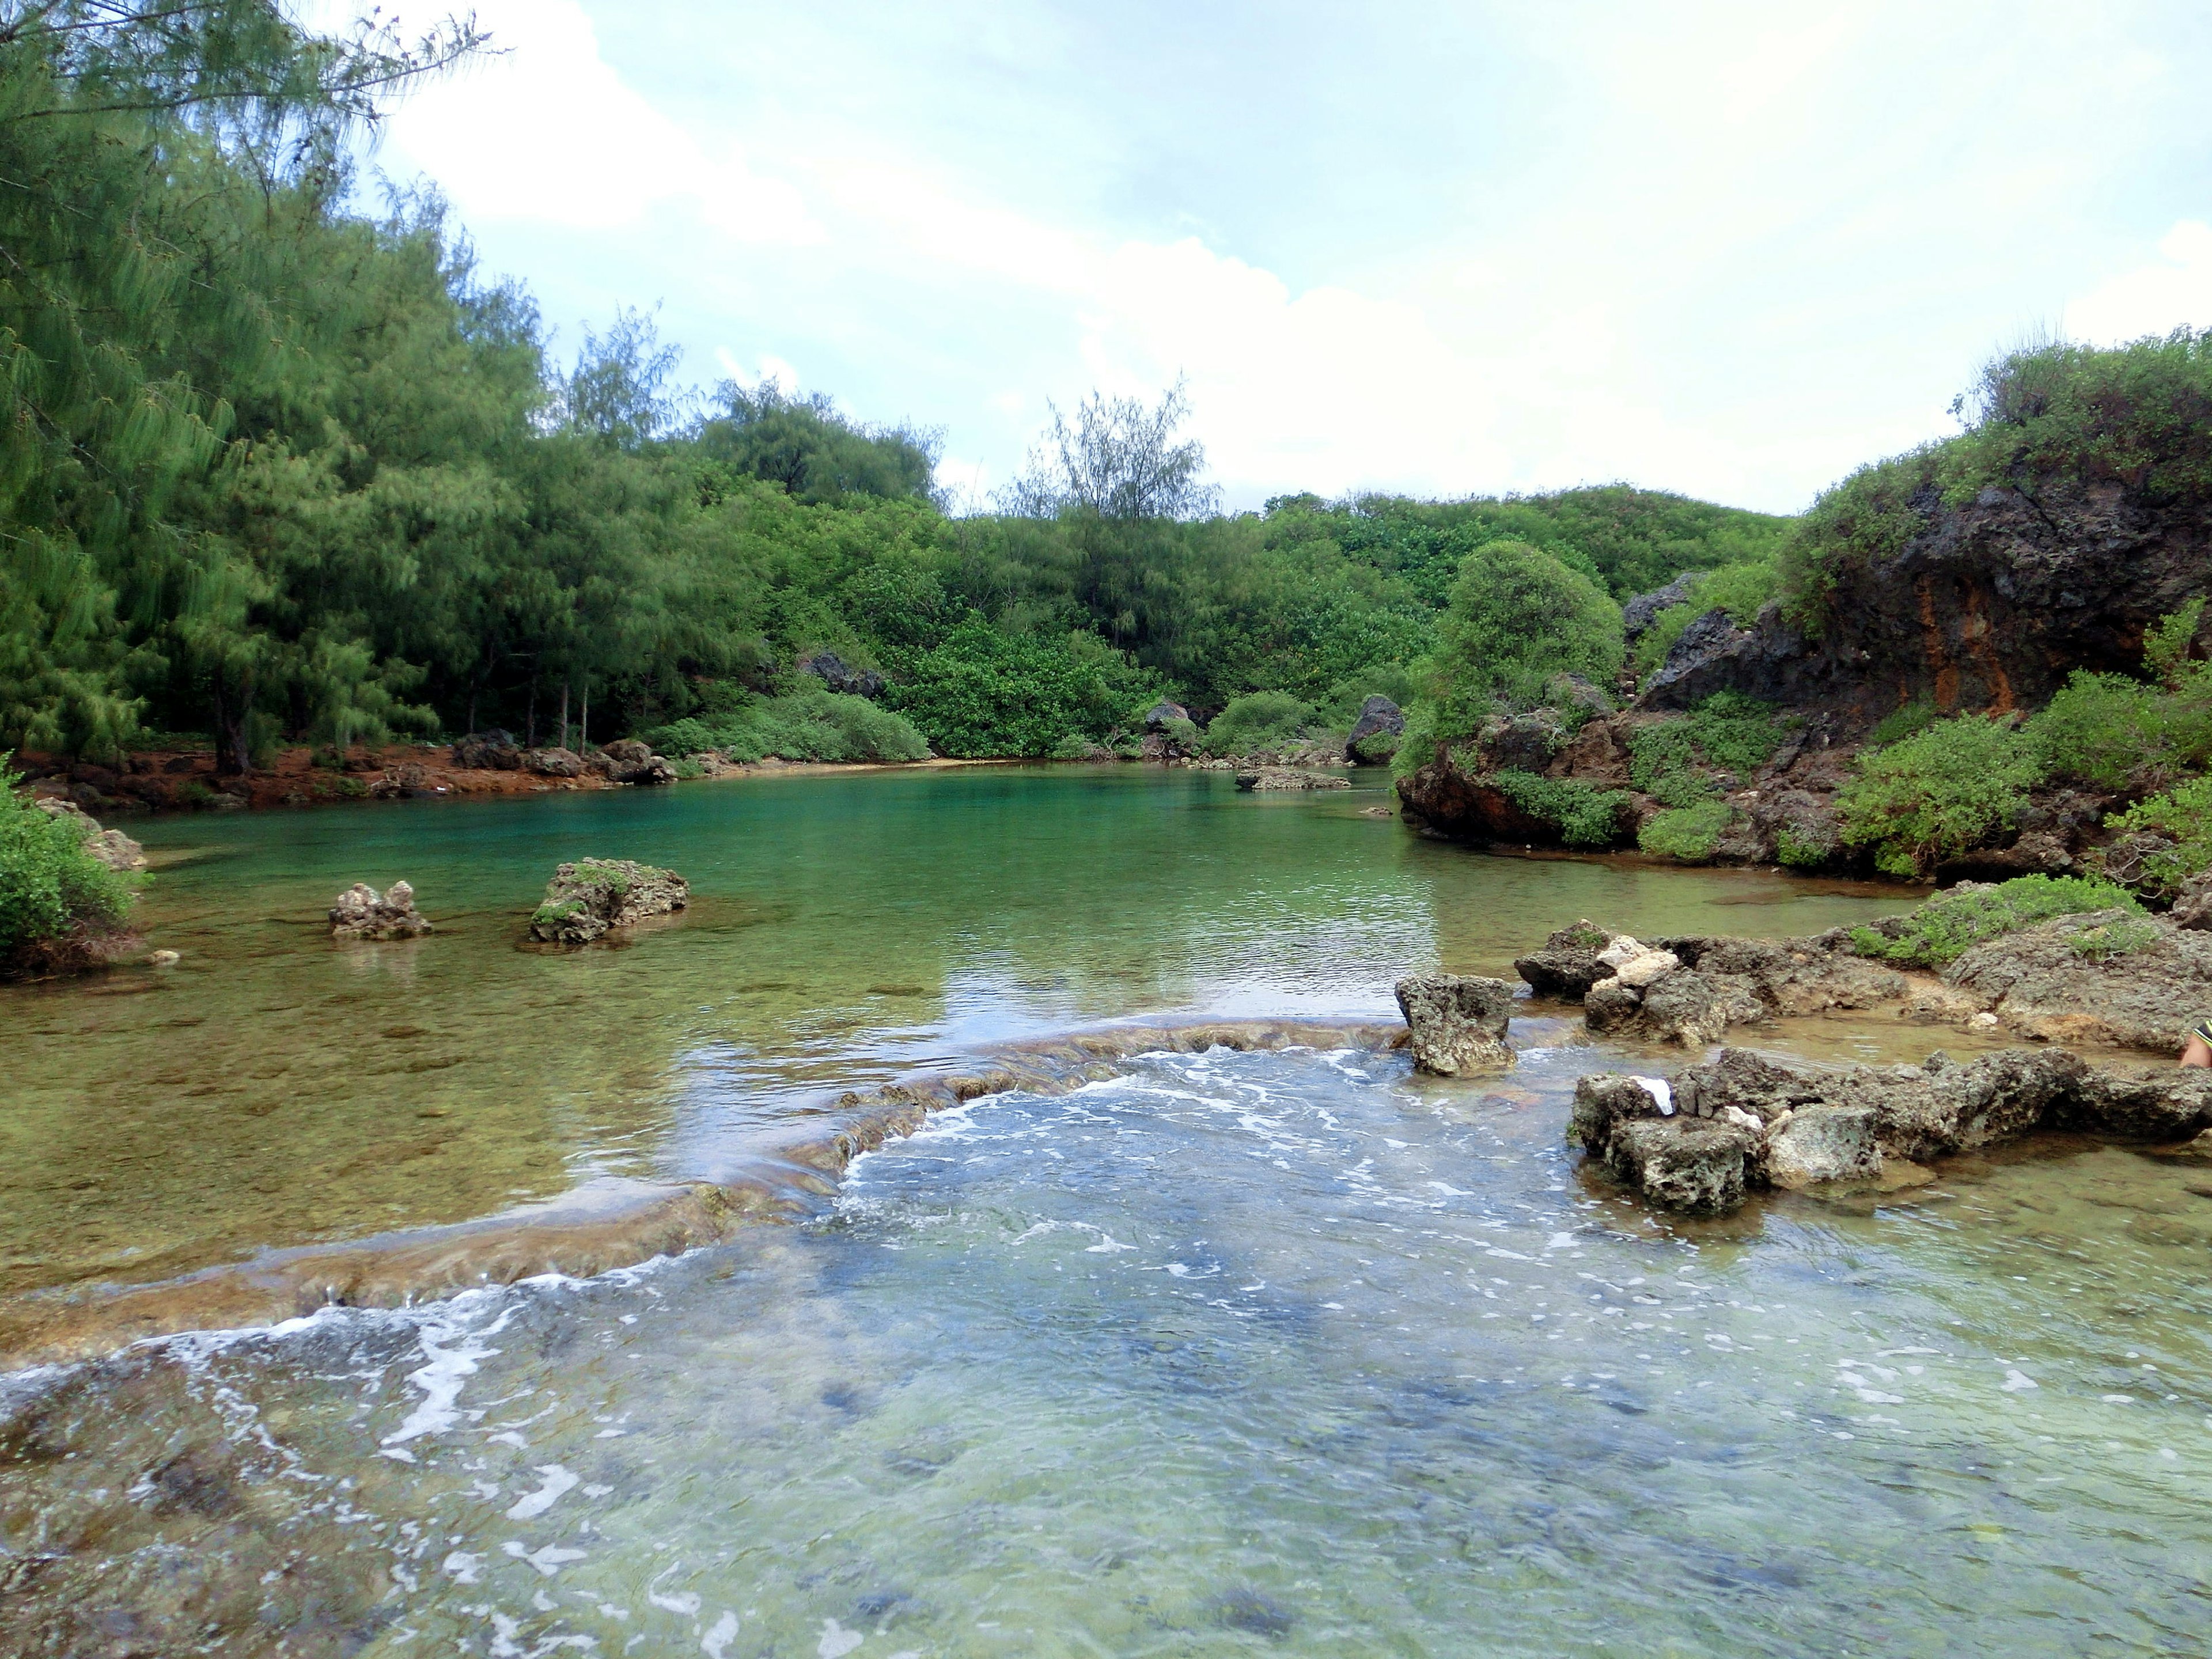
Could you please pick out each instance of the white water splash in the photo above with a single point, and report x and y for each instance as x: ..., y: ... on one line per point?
x: 836, y: 1640
x: 716, y: 1642
x: 557, y: 1482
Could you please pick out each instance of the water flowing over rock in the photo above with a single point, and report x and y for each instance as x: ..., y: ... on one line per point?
x: 493, y: 750
x: 587, y: 898
x: 363, y: 913
x: 1458, y: 1021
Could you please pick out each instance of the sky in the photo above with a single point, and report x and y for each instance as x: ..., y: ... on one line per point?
x: 1730, y: 250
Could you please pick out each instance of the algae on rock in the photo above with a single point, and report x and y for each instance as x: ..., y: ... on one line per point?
x: 587, y: 897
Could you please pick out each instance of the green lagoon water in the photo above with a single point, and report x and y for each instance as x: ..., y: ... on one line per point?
x: 1279, y: 1353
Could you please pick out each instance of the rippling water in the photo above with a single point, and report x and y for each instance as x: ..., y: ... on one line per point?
x: 1234, y: 1353
x: 1266, y: 1352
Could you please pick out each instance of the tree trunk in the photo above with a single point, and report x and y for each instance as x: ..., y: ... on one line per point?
x: 564, y: 713
x: 533, y: 711
x: 584, y: 724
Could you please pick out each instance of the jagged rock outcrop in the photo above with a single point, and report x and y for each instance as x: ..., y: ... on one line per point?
x: 587, y: 898
x: 1986, y: 605
x: 1163, y: 714
x: 2107, y: 977
x: 629, y: 761
x: 1640, y: 612
x: 1276, y: 777
x: 493, y: 750
x: 1743, y: 1121
x: 830, y: 669
x: 361, y: 912
x: 1567, y: 965
x: 1457, y: 1022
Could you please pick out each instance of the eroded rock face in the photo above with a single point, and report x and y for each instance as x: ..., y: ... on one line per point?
x: 1379, y: 717
x: 488, y: 752
x: 1932, y: 1109
x: 2156, y: 1106
x: 361, y: 912
x: 587, y: 898
x: 1161, y: 714
x: 1458, y: 1021
x: 2192, y: 905
x: 1640, y: 612
x: 1818, y: 1145
x: 1699, y: 1165
x: 830, y: 669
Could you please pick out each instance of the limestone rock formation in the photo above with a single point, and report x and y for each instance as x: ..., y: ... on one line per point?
x: 587, y: 898
x: 628, y: 761
x: 1458, y: 1021
x: 1277, y: 777
x: 829, y: 668
x: 361, y: 912
x: 2106, y: 977
x: 1374, y: 736
x: 1567, y: 965
x: 555, y: 762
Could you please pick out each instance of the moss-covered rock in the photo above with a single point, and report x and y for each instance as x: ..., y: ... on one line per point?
x: 587, y: 898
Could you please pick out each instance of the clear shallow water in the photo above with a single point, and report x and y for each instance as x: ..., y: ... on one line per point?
x: 1237, y: 1353
x: 276, y: 1088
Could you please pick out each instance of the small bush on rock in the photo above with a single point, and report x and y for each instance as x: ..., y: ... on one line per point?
x: 1586, y: 817
x: 2183, y: 814
x: 1729, y: 731
x: 1516, y: 617
x: 2122, y: 936
x: 1952, y: 923
x: 52, y: 890
x: 1937, y: 794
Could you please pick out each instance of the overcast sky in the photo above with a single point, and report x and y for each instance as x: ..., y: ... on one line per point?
x: 1728, y: 249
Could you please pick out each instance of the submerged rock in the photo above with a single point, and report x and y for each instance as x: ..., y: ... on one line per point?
x: 587, y: 898
x: 362, y: 913
x: 1458, y: 1021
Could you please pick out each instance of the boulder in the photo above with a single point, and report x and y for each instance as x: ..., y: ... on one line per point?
x: 1699, y: 1165
x: 587, y: 898
x: 109, y: 846
x: 1567, y: 965
x: 1796, y: 975
x: 1610, y: 1006
x: 488, y: 752
x: 555, y: 762
x: 1163, y: 714
x: 1646, y: 969
x: 1939, y: 1107
x: 629, y: 761
x: 361, y: 912
x: 400, y: 782
x: 2192, y: 905
x: 1276, y: 777
x: 1458, y: 1021
x: 1380, y: 725
x: 1609, y: 1098
x: 829, y: 668
x: 1816, y: 1145
x: 2173, y: 1105
x: 1694, y: 1008
x: 1740, y: 1080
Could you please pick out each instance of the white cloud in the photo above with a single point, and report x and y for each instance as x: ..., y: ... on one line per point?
x: 2153, y: 299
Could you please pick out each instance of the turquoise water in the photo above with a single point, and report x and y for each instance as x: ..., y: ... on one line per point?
x: 275, y: 1088
x: 1232, y: 1353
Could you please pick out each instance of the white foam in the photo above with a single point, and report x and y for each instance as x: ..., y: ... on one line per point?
x: 716, y: 1642
x: 558, y: 1480
x: 836, y: 1641
x: 446, y: 1368
x: 549, y: 1560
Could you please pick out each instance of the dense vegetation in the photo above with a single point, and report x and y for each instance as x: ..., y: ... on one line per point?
x: 277, y: 469
x: 53, y: 894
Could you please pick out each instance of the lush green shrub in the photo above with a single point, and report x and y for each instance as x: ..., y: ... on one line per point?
x: 2116, y: 732
x: 1516, y: 617
x: 1742, y: 590
x: 50, y: 889
x: 1416, y: 744
x: 1401, y: 684
x: 1586, y: 816
x: 1073, y: 747
x: 682, y: 738
x: 1260, y: 719
x: 1729, y: 732
x: 1798, y: 851
x: 1687, y: 833
x: 2184, y: 813
x: 1183, y: 734
x: 2122, y: 936
x: 1952, y: 923
x: 1375, y: 749
x: 982, y: 692
x: 801, y: 726
x: 1937, y: 794
x: 1899, y: 724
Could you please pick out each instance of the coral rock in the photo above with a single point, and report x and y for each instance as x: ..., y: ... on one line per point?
x: 1458, y: 1021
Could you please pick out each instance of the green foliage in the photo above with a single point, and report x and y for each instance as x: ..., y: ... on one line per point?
x: 1742, y: 590
x: 815, y: 453
x: 2120, y: 937
x: 1952, y: 923
x: 1340, y: 705
x: 1516, y: 617
x: 1687, y: 833
x: 51, y: 889
x: 1260, y: 719
x: 2116, y: 733
x: 1937, y: 794
x: 1899, y: 724
x: 982, y: 692
x: 2183, y: 813
x: 1799, y: 853
x: 1073, y: 747
x: 1183, y: 733
x: 2166, y: 647
x: 1728, y: 731
x: 1586, y: 816
x: 804, y: 724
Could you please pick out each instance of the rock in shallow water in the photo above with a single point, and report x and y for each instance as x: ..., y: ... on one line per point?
x: 585, y: 898
x: 363, y: 913
x: 1458, y: 1021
